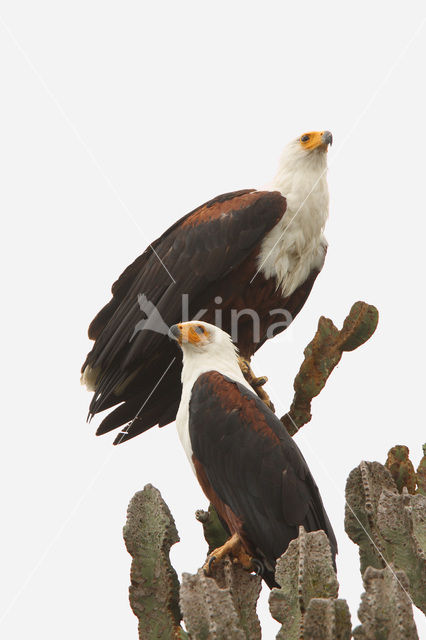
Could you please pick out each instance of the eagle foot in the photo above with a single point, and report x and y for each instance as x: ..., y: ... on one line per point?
x: 233, y: 547
x: 255, y: 382
x: 259, y: 382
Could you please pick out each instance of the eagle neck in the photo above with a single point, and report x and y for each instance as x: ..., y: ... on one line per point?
x: 296, y: 245
x: 224, y: 363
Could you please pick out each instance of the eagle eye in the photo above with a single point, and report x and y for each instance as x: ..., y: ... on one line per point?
x: 199, y: 329
x: 304, y: 138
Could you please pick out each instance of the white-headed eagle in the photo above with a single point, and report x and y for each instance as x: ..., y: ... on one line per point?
x: 242, y: 253
x: 248, y: 466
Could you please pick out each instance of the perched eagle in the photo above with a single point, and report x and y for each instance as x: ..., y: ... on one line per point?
x: 247, y: 258
x: 248, y: 466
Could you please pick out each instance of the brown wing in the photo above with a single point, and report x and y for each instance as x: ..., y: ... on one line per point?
x: 202, y: 247
x: 251, y: 469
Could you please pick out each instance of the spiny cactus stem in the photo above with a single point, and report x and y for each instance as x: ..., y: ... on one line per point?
x: 301, y: 577
x: 322, y: 354
x: 370, y: 510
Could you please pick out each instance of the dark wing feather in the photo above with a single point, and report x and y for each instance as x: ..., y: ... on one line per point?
x: 253, y: 465
x: 200, y: 248
x: 121, y: 287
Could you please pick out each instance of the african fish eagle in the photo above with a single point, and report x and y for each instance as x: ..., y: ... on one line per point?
x: 248, y: 466
x: 248, y: 250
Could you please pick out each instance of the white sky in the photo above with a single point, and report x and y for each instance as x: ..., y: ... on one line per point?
x: 116, y: 119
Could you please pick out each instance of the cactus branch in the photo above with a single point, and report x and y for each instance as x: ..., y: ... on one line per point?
x: 387, y: 526
x: 385, y: 610
x: 304, y: 571
x: 322, y: 354
x: 149, y: 533
x: 401, y: 468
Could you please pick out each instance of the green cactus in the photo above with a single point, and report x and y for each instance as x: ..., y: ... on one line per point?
x: 222, y: 606
x: 214, y: 533
x: 209, y: 611
x: 385, y: 612
x: 327, y: 619
x: 401, y: 468
x: 322, y: 355
x: 387, y: 526
x: 304, y: 571
x: 421, y: 474
x: 149, y: 533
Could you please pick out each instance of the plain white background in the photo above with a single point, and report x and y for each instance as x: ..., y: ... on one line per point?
x: 116, y: 119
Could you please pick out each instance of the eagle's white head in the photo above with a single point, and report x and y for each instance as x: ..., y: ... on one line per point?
x: 303, y: 161
x: 205, y: 347
x: 198, y: 339
x: 308, y: 152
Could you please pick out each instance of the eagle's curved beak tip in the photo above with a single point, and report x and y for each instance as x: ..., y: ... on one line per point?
x: 327, y: 138
x: 174, y: 333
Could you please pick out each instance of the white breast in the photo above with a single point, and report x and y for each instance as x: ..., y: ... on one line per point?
x: 190, y: 373
x: 182, y: 424
x: 297, y: 244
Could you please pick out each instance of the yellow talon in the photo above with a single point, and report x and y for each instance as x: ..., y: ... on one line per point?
x: 233, y: 547
x: 256, y: 382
